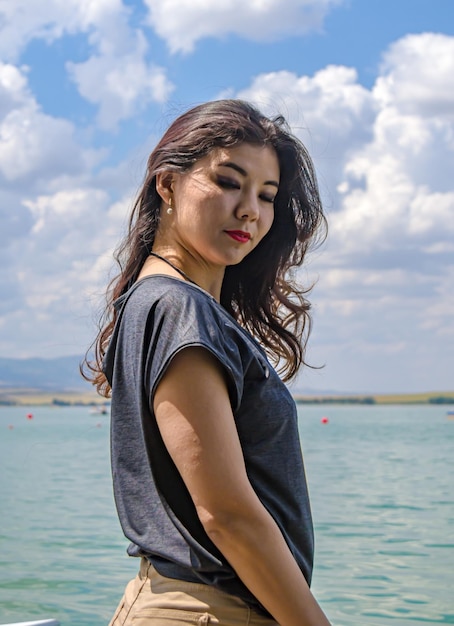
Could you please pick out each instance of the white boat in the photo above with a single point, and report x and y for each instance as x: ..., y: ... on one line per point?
x: 97, y: 410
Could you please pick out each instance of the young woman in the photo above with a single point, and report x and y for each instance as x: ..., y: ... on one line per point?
x: 207, y: 468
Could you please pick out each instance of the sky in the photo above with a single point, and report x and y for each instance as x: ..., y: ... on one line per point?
x: 88, y: 86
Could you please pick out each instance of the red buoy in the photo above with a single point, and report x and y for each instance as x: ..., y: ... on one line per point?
x: 29, y: 416
x: 324, y: 420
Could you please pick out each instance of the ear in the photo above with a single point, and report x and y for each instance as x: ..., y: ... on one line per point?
x: 164, y: 185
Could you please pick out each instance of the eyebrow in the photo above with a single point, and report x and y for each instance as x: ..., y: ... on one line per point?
x: 240, y: 170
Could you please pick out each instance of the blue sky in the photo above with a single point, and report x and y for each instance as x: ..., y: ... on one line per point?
x: 87, y: 86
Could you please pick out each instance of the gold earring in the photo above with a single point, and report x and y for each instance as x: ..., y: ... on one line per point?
x: 169, y: 209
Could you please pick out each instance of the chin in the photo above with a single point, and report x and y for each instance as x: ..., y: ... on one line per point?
x: 231, y: 257
x: 236, y: 260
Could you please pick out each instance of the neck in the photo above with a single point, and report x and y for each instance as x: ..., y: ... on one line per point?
x: 191, y: 271
x: 175, y: 267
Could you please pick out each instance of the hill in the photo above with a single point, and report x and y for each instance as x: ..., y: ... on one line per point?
x: 58, y: 381
x: 58, y: 374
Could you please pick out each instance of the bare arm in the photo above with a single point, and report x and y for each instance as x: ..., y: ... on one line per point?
x: 194, y: 416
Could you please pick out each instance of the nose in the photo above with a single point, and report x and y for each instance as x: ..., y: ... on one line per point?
x: 248, y: 208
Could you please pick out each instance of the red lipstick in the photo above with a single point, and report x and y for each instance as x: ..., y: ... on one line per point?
x: 239, y: 235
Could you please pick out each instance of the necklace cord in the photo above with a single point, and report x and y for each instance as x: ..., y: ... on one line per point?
x: 173, y: 266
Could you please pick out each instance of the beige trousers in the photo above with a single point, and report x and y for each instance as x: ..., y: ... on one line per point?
x: 154, y: 600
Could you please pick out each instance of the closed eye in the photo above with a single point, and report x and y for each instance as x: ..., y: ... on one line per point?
x: 228, y: 183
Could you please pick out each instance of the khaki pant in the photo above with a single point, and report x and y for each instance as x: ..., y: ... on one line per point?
x: 154, y: 600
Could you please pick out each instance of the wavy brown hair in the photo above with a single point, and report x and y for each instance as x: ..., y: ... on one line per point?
x: 259, y: 292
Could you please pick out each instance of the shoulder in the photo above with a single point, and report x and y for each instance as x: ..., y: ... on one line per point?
x: 161, y: 315
x: 160, y: 294
x: 167, y: 289
x: 161, y: 305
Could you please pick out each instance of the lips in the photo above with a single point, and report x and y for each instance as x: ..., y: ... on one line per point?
x: 239, y: 235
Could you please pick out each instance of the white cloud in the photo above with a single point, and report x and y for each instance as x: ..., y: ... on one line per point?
x: 120, y: 82
x: 417, y: 76
x: 117, y: 77
x: 331, y: 112
x: 398, y: 188
x: 59, y: 269
x: 45, y: 227
x: 382, y: 330
x: 22, y: 21
x: 60, y: 219
x: 34, y: 145
x: 390, y: 166
x: 384, y: 157
x: 13, y: 88
x: 183, y: 22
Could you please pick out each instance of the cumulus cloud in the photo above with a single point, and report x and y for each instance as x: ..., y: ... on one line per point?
x: 41, y: 228
x: 67, y: 237
x: 384, y: 157
x: 120, y: 81
x: 34, y: 145
x: 59, y: 269
x: 36, y: 152
x: 61, y: 214
x: 24, y: 20
x: 417, y: 76
x: 331, y: 112
x: 388, y: 164
x: 118, y: 77
x: 399, y: 184
x: 13, y: 88
x: 181, y: 23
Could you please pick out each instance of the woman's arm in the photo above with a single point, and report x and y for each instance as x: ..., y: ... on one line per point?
x: 195, y: 419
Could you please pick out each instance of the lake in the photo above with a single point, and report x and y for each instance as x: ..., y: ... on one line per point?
x: 382, y: 493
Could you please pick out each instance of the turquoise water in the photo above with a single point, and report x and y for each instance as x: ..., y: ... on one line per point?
x: 382, y: 491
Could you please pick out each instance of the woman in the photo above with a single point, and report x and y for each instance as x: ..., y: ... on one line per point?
x: 207, y: 468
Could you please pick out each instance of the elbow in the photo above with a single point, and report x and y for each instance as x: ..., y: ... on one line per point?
x: 215, y: 521
x: 225, y: 523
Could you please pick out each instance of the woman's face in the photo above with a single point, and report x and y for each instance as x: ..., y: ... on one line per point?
x: 224, y: 205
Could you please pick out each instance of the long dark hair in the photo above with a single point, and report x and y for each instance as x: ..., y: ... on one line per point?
x: 259, y: 292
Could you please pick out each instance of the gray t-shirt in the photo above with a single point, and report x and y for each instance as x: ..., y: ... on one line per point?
x: 159, y: 316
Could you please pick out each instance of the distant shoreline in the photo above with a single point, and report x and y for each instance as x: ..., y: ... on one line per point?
x: 36, y: 397
x: 437, y: 398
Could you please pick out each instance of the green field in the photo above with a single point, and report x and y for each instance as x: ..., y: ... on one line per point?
x: 34, y: 397
x: 436, y: 397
